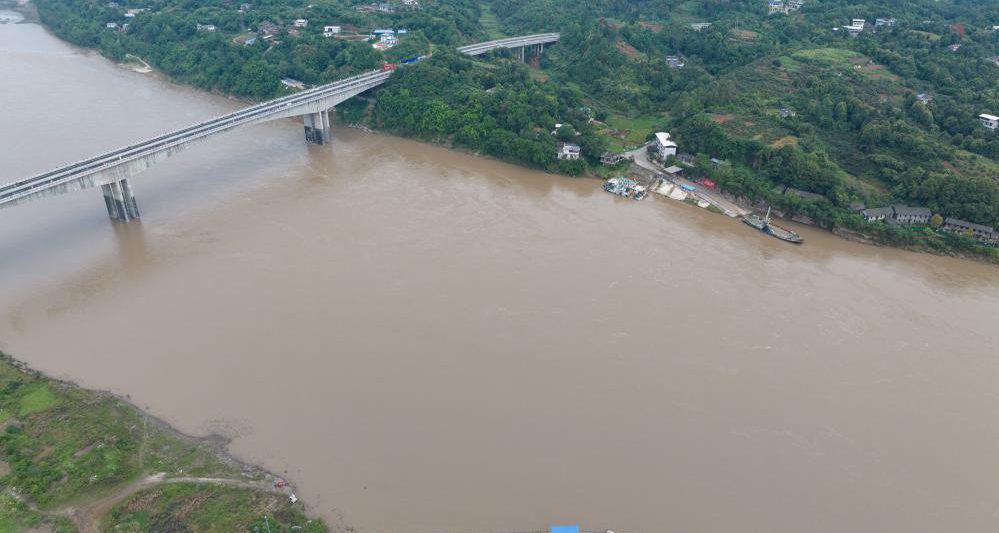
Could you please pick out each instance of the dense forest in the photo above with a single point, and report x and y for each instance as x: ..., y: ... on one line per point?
x: 786, y: 99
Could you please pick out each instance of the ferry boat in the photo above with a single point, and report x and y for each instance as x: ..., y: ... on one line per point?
x: 764, y: 225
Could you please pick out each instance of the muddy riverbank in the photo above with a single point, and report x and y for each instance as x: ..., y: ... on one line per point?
x: 72, y: 456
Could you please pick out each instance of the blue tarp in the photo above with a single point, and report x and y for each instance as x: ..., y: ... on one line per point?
x: 565, y: 529
x: 687, y: 187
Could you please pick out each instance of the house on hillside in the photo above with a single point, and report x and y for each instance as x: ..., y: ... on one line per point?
x: 205, y: 27
x: 954, y: 47
x: 887, y: 23
x: 877, y: 213
x: 268, y: 28
x: 856, y: 26
x: 330, y: 31
x: 300, y: 23
x: 777, y: 6
x: 610, y: 159
x: 664, y: 145
x: 924, y: 98
x: 567, y: 151
x: 804, y: 195
x: 989, y: 121
x: 111, y: 25
x: 904, y: 214
x: 786, y: 113
x: 674, y: 62
x: 978, y: 231
x: 698, y: 26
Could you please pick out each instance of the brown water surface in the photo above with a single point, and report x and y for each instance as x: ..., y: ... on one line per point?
x: 426, y: 341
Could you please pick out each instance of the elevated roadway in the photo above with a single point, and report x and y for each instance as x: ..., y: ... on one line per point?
x: 111, y: 170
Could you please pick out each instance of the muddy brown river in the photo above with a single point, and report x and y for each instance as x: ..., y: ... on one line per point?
x: 428, y: 341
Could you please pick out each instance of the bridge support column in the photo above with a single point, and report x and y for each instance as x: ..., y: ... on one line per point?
x: 522, y: 53
x: 317, y: 127
x: 120, y: 200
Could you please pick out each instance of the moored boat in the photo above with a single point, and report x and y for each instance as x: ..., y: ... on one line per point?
x: 764, y: 225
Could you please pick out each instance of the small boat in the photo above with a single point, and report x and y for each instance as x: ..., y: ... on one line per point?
x: 764, y: 225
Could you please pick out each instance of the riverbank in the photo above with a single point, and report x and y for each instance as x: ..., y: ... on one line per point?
x: 77, y: 460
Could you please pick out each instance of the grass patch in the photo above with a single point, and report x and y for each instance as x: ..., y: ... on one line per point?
x: 36, y: 401
x: 787, y: 140
x: 631, y: 132
x: 70, y: 446
x: 490, y: 23
x: 834, y: 57
x: 208, y: 509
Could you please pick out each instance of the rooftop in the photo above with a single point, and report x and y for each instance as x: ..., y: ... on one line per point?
x: 904, y: 210
x: 967, y: 225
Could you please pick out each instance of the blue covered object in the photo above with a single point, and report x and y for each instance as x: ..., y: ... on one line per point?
x: 565, y: 529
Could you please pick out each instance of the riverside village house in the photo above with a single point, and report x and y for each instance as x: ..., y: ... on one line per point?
x: 567, y: 150
x: 664, y: 145
x: 898, y: 214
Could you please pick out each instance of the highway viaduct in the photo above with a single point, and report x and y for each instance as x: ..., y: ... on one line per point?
x: 112, y: 170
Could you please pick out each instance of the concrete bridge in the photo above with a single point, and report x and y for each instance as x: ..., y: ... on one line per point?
x: 112, y: 170
x: 536, y: 42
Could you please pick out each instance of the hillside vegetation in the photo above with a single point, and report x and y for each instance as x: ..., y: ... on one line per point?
x: 858, y: 133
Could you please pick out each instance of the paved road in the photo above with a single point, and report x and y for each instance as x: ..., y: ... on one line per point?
x: 730, y: 208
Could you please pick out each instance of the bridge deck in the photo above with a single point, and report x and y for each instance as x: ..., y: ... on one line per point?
x: 54, y: 177
x: 50, y: 179
x: 511, y: 42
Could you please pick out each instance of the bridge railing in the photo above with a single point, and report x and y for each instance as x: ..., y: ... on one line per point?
x: 132, y: 151
x: 510, y: 42
x: 67, y: 173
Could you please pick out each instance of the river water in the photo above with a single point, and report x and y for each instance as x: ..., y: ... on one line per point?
x: 426, y: 341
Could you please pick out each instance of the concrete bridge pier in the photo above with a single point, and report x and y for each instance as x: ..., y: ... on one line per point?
x: 120, y: 200
x: 317, y: 127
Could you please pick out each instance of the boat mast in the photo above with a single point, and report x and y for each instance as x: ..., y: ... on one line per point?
x: 766, y: 219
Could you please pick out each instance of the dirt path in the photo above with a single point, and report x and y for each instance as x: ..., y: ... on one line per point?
x: 88, y: 517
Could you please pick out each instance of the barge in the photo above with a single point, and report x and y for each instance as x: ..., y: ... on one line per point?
x: 764, y: 225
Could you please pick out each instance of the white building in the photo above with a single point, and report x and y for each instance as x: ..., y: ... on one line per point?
x: 567, y: 151
x: 330, y: 31
x: 112, y: 25
x: 856, y: 26
x: 301, y: 23
x: 665, y: 146
x: 674, y: 62
x: 989, y: 121
x: 205, y: 27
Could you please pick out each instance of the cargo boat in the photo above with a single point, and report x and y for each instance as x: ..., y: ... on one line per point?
x: 764, y: 225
